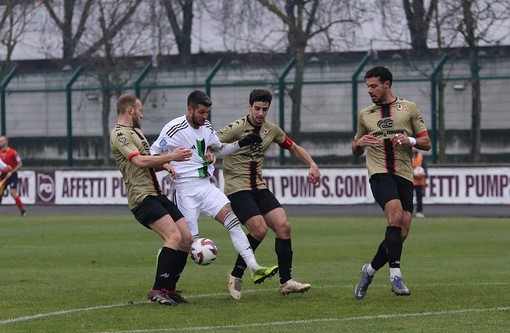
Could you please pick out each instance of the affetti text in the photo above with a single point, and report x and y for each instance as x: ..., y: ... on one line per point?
x: 340, y: 186
x: 84, y: 187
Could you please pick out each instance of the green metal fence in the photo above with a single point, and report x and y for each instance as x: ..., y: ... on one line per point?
x: 331, y: 96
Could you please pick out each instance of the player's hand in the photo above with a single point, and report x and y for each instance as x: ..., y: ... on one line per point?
x: 181, y: 154
x: 367, y: 140
x: 210, y: 157
x: 249, y: 140
x: 400, y: 139
x: 314, y: 175
x: 7, y: 168
x: 171, y: 171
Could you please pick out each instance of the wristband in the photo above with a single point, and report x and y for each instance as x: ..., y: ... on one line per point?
x: 412, y: 141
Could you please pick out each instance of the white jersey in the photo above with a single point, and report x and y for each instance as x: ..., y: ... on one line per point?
x: 179, y: 133
x: 195, y: 193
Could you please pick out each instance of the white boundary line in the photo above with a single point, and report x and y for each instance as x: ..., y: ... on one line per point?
x: 312, y: 321
x: 100, y: 307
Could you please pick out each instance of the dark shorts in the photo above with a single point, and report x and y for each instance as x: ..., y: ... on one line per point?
x: 247, y: 204
x: 12, y: 182
x: 386, y: 187
x: 153, y: 208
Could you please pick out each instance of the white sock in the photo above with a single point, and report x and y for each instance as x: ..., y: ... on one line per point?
x: 240, y: 241
x: 394, y: 272
x: 370, y: 270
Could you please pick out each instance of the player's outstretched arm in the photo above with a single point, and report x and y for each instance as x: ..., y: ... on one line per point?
x: 234, y: 147
x: 147, y: 161
x: 314, y: 174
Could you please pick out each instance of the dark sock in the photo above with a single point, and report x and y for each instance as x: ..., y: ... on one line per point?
x: 283, y: 248
x: 381, y: 257
x: 170, y: 265
x: 183, y: 259
x: 393, y: 241
x: 240, y: 265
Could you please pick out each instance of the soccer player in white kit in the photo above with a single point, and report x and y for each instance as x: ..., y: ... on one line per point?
x: 193, y: 191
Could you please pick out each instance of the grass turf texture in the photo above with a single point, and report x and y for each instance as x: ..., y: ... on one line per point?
x: 90, y: 273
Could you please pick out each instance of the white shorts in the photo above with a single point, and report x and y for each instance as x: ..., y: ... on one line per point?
x: 197, y: 197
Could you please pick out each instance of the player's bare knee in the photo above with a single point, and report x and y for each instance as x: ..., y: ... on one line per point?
x: 282, y: 229
x: 396, y: 220
x: 259, y: 231
x: 186, y: 242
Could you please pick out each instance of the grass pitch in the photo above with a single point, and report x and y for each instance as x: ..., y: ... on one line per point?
x: 90, y: 273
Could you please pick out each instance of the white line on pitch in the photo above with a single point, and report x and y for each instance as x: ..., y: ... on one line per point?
x: 110, y: 306
x: 312, y: 321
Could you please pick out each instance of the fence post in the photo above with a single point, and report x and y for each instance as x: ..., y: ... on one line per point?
x: 354, y: 102
x: 211, y: 75
x: 3, y: 85
x: 281, y: 100
x: 69, y: 107
x: 433, y: 104
x: 140, y: 78
x: 209, y: 78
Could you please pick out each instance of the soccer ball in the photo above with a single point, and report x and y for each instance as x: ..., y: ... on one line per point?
x: 203, y: 251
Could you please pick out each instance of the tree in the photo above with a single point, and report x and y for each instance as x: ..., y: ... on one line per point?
x: 182, y: 30
x: 300, y: 25
x: 476, y: 21
x: 304, y: 20
x: 102, y: 36
x: 113, y: 49
x: 15, y: 17
x: 418, y: 22
x: 418, y: 19
x: 74, y: 30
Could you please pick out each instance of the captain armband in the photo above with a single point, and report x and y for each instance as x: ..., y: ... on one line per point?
x: 287, y: 143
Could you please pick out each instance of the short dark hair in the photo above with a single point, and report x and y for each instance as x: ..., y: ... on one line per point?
x: 198, y: 97
x: 124, y: 101
x: 381, y: 72
x: 260, y: 95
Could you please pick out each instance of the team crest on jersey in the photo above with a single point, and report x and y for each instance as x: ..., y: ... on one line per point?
x: 265, y: 131
x: 400, y: 107
x: 162, y: 143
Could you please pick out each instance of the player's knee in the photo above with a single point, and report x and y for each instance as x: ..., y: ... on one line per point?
x: 258, y: 231
x: 186, y: 241
x: 282, y: 229
x: 396, y: 219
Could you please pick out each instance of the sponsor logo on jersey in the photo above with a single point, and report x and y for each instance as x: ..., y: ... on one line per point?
x: 385, y: 123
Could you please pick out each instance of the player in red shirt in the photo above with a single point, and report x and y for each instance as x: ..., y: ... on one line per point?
x: 10, y: 157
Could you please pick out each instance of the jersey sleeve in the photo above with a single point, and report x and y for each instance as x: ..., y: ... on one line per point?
x: 418, y: 124
x: 360, y: 128
x: 215, y: 142
x: 162, y: 144
x: 280, y: 136
x: 124, y: 144
x: 228, y: 134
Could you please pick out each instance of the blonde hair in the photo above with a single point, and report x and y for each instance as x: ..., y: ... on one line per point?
x: 124, y: 101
